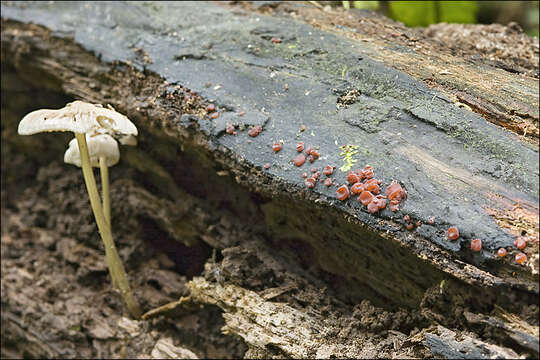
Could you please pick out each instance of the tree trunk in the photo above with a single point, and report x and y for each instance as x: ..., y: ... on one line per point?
x: 224, y: 221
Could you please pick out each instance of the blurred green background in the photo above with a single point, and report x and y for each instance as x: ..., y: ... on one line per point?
x: 424, y: 13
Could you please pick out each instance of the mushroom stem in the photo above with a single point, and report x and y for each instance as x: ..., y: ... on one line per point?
x: 116, y: 269
x: 104, y: 170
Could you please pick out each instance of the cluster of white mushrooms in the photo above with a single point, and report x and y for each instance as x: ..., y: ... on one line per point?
x: 94, y: 145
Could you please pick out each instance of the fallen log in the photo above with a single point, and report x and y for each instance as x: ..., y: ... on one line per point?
x: 162, y: 65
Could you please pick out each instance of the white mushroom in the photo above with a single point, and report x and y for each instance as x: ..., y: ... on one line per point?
x: 103, y: 151
x: 84, y: 118
x: 99, y: 146
x: 78, y: 116
x: 128, y: 140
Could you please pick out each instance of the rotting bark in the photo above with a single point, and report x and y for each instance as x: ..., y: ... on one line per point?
x: 472, y: 64
x: 279, y: 246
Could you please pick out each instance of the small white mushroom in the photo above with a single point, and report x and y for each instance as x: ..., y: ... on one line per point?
x: 85, y: 119
x: 103, y: 151
x: 78, y: 116
x: 128, y: 140
x: 99, y: 146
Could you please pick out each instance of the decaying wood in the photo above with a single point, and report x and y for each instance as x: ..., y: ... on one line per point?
x: 473, y: 64
x: 299, y: 273
x: 444, y: 343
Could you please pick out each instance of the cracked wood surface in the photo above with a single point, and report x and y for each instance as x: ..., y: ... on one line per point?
x: 475, y: 65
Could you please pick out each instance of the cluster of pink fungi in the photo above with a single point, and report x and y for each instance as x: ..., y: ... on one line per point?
x: 362, y: 182
x: 366, y: 186
x: 476, y: 245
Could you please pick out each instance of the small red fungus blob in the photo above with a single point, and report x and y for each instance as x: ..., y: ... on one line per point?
x: 304, y: 175
x: 352, y: 178
x: 431, y: 220
x: 276, y: 147
x: 311, y: 158
x: 299, y: 160
x: 342, y: 192
x: 521, y: 258
x: 229, y: 129
x: 254, y: 131
x: 241, y: 113
x: 367, y: 172
x: 309, y: 150
x: 214, y: 115
x: 300, y: 146
x: 211, y: 108
x: 365, y: 197
x: 357, y: 188
x: 407, y: 218
x: 267, y: 166
x: 452, y: 233
x: 234, y: 133
x: 310, y: 182
x: 373, y: 207
x: 394, y: 205
x: 314, y: 170
x: 394, y: 191
x: 328, y: 170
x: 315, y: 154
x: 371, y: 185
x: 501, y: 252
x: 410, y: 226
x: 328, y: 182
x: 381, y: 202
x: 276, y: 40
x: 520, y: 243
x: 249, y: 141
x: 476, y: 244
x: 316, y: 175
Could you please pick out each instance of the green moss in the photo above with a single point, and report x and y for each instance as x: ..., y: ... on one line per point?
x: 480, y: 142
x: 347, y: 153
x: 375, y: 122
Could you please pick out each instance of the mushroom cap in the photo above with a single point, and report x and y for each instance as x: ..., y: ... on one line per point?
x: 98, y: 145
x: 128, y: 140
x: 78, y: 116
